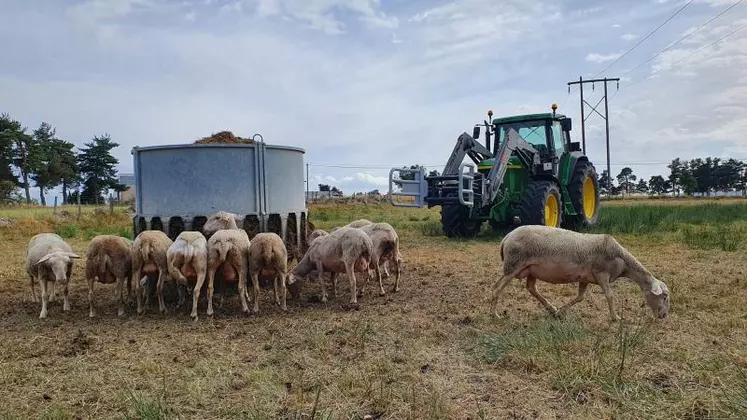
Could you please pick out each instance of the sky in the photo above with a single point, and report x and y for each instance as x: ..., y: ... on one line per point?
x: 365, y: 85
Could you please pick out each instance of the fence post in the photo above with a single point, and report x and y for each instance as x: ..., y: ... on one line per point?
x: 54, y: 212
x: 78, y: 206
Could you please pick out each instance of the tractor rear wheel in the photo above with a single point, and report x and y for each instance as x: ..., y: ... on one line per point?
x: 583, y: 190
x: 456, y: 223
x: 541, y: 204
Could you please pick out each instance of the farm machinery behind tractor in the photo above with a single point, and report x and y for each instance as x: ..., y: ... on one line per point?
x: 528, y: 172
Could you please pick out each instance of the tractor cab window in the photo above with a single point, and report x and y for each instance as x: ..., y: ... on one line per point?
x: 533, y: 132
x: 558, y: 137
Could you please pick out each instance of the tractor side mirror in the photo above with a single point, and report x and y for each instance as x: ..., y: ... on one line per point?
x: 565, y: 123
x: 476, y: 132
x: 575, y: 146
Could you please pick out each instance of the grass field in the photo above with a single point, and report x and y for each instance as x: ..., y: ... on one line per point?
x: 429, y: 351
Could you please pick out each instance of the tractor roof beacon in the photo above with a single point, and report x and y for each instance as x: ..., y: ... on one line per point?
x: 528, y: 172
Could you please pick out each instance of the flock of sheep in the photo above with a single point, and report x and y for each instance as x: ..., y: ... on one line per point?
x: 362, y: 246
x: 532, y: 252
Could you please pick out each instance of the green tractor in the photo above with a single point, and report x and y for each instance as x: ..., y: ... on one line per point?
x: 528, y: 172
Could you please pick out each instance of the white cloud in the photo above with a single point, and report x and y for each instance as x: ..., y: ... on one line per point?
x: 377, y: 181
x: 629, y: 37
x: 601, y: 58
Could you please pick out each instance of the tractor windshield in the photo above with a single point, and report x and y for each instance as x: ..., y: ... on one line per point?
x: 533, y: 132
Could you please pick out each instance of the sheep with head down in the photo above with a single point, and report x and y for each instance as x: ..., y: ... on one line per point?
x: 346, y: 250
x: 109, y: 260
x: 148, y: 261
x: 227, y: 251
x: 186, y: 260
x: 560, y: 256
x: 219, y: 221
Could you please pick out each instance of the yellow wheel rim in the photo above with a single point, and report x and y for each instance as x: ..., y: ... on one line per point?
x: 590, y: 202
x: 552, y: 211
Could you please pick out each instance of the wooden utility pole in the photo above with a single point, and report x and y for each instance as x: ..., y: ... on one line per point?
x: 580, y: 83
x: 307, y: 182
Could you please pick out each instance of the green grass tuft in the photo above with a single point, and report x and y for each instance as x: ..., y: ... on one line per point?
x: 724, y: 237
x: 67, y: 230
x: 541, y: 336
x: 431, y: 228
x: 643, y: 219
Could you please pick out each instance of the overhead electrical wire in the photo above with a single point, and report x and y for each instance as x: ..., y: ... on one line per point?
x: 639, y: 43
x: 645, y: 38
x: 684, y: 37
x: 672, y: 65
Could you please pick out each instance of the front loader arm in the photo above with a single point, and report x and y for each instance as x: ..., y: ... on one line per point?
x: 465, y: 145
x: 527, y: 154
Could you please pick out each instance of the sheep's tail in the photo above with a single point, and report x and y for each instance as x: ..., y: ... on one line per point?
x: 189, y: 253
x: 145, y: 251
x: 502, y: 241
x: 104, y: 263
x: 266, y: 255
x: 223, y: 250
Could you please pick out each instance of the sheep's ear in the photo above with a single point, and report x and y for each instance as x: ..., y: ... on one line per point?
x: 656, y: 288
x: 44, y: 258
x: 72, y: 255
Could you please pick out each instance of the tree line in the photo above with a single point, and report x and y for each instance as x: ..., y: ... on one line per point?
x: 41, y: 158
x: 689, y: 177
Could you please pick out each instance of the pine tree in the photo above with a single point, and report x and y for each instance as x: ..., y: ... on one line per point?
x: 9, y: 129
x: 626, y: 180
x: 658, y: 185
x: 97, y: 167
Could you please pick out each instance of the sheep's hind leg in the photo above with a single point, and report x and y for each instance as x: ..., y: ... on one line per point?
x: 33, y: 290
x: 497, y: 289
x: 350, y: 268
x: 196, y: 294
x: 581, y: 292
x: 532, y: 287
x: 120, y: 300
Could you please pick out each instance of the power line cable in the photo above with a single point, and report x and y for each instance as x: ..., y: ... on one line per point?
x: 645, y: 38
x: 669, y: 67
x: 684, y: 37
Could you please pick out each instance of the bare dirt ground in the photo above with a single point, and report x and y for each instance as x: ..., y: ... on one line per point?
x: 429, y: 351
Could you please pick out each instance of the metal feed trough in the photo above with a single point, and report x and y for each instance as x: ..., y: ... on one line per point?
x: 179, y: 186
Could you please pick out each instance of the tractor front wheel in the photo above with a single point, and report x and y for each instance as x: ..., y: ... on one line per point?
x: 583, y: 190
x: 541, y: 204
x: 456, y: 223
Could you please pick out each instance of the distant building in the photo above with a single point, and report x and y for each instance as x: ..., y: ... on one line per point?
x: 128, y: 195
x: 316, y: 195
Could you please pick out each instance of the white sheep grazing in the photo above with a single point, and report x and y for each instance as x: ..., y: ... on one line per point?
x: 560, y: 256
x: 149, y: 259
x: 219, y: 221
x: 346, y: 250
x: 227, y: 251
x: 385, y: 249
x: 186, y: 259
x: 109, y: 260
x: 268, y: 256
x: 49, y: 259
x: 315, y: 234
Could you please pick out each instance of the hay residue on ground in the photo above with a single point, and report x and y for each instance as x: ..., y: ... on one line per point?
x: 224, y: 137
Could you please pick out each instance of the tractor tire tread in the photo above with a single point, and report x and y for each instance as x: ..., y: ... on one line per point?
x: 576, y: 194
x: 532, y: 208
